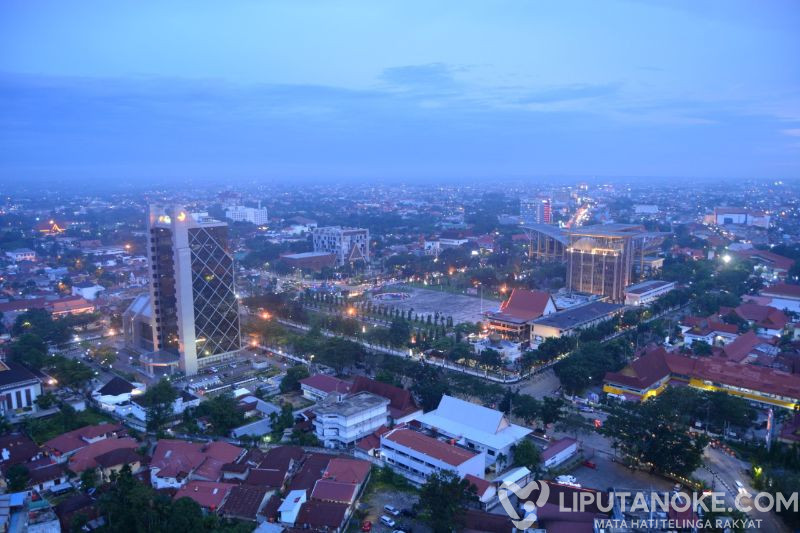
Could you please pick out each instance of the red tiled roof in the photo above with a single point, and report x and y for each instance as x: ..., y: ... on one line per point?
x: 643, y: 371
x: 77, y: 438
x: 315, y: 514
x: 401, y: 402
x: 347, y: 470
x: 429, y: 446
x: 244, y: 502
x: 557, y: 446
x: 334, y: 491
x: 764, y: 316
x: 22, y: 305
x: 481, y: 485
x: 524, y: 305
x: 738, y: 349
x: 313, y: 468
x: 207, y: 494
x: 778, y: 262
x: 86, y: 457
x: 705, y: 326
x: 782, y: 289
x: 373, y: 440
x: 263, y: 477
x: 326, y: 383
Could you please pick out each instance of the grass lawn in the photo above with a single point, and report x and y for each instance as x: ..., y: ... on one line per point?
x: 44, y: 429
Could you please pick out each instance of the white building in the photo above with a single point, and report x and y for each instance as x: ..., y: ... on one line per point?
x: 647, y: 292
x: 348, y: 244
x: 88, y: 291
x: 559, y: 451
x: 253, y: 215
x: 416, y: 456
x: 19, y: 388
x: 475, y: 427
x: 341, y: 423
x: 290, y: 507
x: 21, y: 254
x: 116, y: 392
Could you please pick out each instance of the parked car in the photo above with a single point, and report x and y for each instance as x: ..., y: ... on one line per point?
x: 392, y: 510
x: 590, y: 464
x: 366, y: 526
x: 386, y: 521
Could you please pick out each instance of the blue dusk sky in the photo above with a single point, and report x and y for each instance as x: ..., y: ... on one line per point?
x: 398, y: 90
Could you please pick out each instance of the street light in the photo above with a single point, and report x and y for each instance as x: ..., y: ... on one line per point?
x: 726, y: 258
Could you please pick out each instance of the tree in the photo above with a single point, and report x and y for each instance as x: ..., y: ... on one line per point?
x: 527, y: 454
x: 430, y: 384
x: 550, y: 411
x: 443, y: 499
x: 399, y: 332
x: 291, y: 381
x: 185, y: 516
x: 701, y: 348
x: 223, y: 413
x: 88, y: 479
x: 30, y: 350
x: 46, y: 400
x: 655, y: 433
x: 574, y: 423
x: 17, y: 477
x: 158, y: 402
x: 490, y: 358
x: 526, y: 407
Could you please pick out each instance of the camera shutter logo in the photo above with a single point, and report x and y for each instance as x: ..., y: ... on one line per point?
x: 522, y: 493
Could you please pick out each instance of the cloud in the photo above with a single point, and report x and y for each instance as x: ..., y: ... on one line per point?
x: 792, y: 132
x: 571, y: 92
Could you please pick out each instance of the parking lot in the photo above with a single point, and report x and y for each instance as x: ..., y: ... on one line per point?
x: 611, y: 474
x: 399, y: 500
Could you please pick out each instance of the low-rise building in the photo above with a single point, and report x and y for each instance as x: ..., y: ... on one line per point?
x: 21, y: 254
x: 559, y: 451
x: 475, y: 427
x: 647, y: 292
x: 19, y: 388
x: 416, y: 456
x: 87, y: 290
x: 341, y: 423
x: 572, y: 320
x: 321, y: 386
x: 514, y: 318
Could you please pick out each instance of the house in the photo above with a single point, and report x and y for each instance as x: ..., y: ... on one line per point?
x: 516, y: 315
x: 773, y: 267
x: 484, y: 490
x: 334, y: 491
x: 87, y: 290
x: 290, y: 508
x: 16, y: 448
x: 244, y: 502
x: 21, y: 254
x: 559, y: 451
x: 416, y: 456
x: 402, y: 407
x: 767, y: 319
x: 19, y: 388
x: 475, y: 427
x: 326, y: 517
x: 117, y: 391
x: 66, y: 444
x: 782, y: 296
x: 71, y: 305
x: 174, y: 462
x: 319, y: 386
x: 209, y: 495
x: 88, y: 457
x: 48, y: 477
x: 708, y: 330
x: 341, y: 423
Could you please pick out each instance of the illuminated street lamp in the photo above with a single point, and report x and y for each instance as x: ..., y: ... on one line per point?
x: 726, y: 258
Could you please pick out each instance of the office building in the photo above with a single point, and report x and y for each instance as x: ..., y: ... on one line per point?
x: 253, y: 215
x: 601, y: 258
x: 536, y: 210
x: 341, y: 423
x: 195, y: 311
x: 349, y: 245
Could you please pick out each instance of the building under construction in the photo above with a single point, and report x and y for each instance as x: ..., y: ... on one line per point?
x: 601, y: 259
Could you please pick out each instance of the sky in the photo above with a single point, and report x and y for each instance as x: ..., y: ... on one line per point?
x: 398, y: 90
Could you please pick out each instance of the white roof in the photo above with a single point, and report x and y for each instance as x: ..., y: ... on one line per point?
x: 512, y: 476
x: 474, y: 422
x: 294, y: 499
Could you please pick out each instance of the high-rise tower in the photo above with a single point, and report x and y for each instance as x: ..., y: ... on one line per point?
x: 195, y: 312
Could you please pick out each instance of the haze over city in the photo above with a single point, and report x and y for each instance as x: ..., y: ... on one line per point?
x: 404, y: 91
